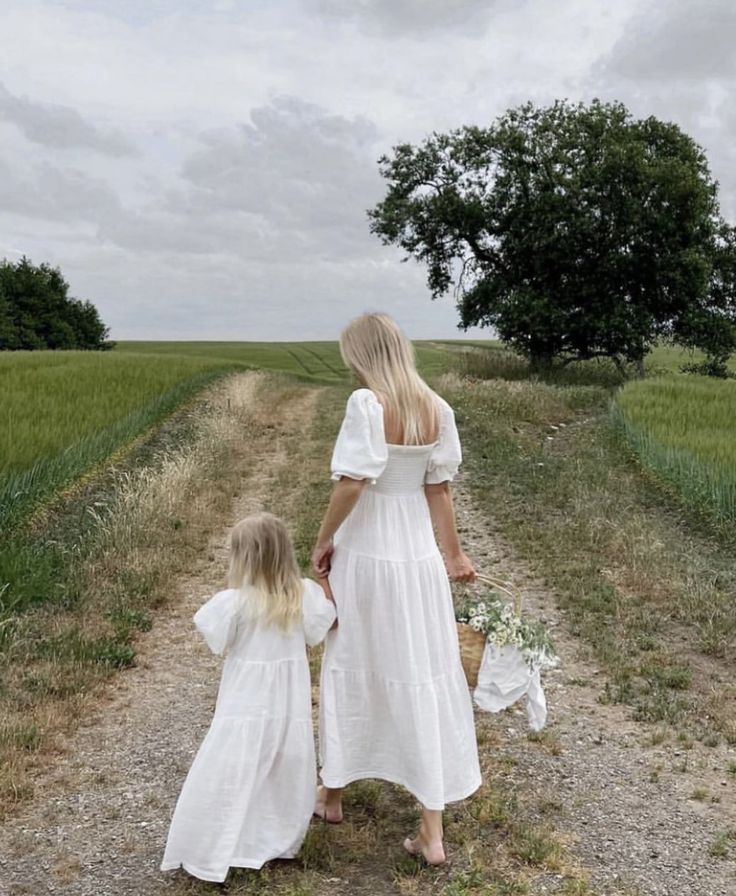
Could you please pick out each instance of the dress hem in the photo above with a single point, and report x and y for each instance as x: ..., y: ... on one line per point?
x: 361, y: 776
x: 213, y: 877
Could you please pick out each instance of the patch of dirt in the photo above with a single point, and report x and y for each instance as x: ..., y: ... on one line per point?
x: 639, y: 808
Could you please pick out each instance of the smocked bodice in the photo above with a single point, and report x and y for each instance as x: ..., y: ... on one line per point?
x: 405, y: 470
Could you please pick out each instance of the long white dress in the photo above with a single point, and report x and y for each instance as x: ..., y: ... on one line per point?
x: 394, y: 700
x: 249, y: 794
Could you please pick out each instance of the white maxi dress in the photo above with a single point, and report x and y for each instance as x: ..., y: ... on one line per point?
x: 394, y: 701
x: 249, y: 794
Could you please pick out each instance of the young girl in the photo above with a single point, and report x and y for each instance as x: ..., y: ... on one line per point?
x: 249, y: 794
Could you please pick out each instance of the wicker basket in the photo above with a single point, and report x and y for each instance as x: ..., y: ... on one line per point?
x: 473, y: 643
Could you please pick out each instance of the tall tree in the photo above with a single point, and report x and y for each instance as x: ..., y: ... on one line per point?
x: 574, y: 230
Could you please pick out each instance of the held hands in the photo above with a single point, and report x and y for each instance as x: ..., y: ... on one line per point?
x: 322, y: 559
x: 459, y: 568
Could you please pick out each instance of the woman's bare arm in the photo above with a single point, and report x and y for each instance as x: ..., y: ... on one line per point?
x: 442, y: 511
x: 325, y: 583
x: 344, y: 497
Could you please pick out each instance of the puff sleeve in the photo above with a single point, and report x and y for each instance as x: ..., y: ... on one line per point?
x: 360, y: 450
x: 217, y: 620
x: 318, y: 613
x: 447, y: 454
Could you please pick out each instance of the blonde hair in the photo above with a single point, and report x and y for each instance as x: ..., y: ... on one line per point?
x: 263, y: 567
x: 375, y: 349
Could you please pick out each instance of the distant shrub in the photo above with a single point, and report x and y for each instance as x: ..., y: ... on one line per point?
x: 36, y: 311
x: 716, y: 367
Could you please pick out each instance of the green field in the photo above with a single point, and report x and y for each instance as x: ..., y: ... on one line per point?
x: 314, y: 360
x: 64, y: 413
x: 683, y: 428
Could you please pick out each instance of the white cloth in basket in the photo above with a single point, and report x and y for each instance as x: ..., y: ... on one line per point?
x: 505, y: 677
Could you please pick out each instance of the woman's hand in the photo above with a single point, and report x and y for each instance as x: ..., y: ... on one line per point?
x: 322, y: 558
x: 459, y: 568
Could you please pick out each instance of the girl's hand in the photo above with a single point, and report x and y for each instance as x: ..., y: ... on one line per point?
x: 322, y: 559
x: 459, y: 568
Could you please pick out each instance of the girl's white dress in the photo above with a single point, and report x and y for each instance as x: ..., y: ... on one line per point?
x: 249, y: 794
x: 394, y: 700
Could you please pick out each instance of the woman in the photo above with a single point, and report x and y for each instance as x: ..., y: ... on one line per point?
x: 394, y: 701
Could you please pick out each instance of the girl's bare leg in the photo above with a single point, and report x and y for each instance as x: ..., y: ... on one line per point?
x: 428, y: 842
x: 329, y: 804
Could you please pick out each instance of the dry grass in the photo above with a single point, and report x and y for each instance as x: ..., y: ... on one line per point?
x: 645, y: 582
x: 139, y: 528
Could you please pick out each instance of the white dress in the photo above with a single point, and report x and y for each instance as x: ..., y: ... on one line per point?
x: 249, y: 794
x: 394, y: 700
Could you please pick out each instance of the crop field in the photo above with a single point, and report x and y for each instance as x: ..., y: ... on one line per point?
x: 63, y: 413
x: 314, y: 360
x: 683, y: 428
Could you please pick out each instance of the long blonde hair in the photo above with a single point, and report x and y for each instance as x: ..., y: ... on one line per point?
x: 382, y: 358
x: 263, y: 567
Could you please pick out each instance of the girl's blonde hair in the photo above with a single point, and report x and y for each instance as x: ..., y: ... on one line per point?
x: 382, y: 358
x: 263, y: 565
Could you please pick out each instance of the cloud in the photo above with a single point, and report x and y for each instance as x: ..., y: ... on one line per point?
x: 293, y: 183
x: 48, y: 192
x: 229, y: 199
x: 59, y: 127
x: 403, y: 17
x: 677, y: 42
x: 675, y: 60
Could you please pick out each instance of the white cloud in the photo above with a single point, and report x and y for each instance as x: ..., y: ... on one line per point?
x: 203, y: 168
x: 676, y: 61
x: 59, y: 127
x: 678, y: 42
x: 399, y: 17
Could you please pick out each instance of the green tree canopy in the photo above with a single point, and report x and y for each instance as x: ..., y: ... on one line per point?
x: 36, y: 311
x: 574, y: 230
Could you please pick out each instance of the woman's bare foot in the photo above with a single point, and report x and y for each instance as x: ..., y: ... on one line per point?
x: 328, y: 805
x: 432, y: 852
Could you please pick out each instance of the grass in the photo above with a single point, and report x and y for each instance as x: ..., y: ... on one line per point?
x: 63, y: 413
x: 723, y: 845
x: 682, y: 428
x: 315, y: 361
x: 151, y: 520
x: 646, y: 584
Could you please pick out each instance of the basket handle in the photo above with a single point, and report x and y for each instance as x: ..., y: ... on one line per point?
x: 507, y: 588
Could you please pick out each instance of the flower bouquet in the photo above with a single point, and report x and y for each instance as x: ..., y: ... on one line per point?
x: 503, y: 654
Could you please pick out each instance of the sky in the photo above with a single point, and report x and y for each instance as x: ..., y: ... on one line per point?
x: 202, y: 170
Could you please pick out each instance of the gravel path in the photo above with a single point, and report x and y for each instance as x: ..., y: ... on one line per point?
x: 622, y: 804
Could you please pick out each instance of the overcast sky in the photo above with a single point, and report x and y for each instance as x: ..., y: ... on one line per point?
x: 202, y: 169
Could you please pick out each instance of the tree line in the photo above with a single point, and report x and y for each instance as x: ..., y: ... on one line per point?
x: 575, y: 231
x: 36, y: 311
